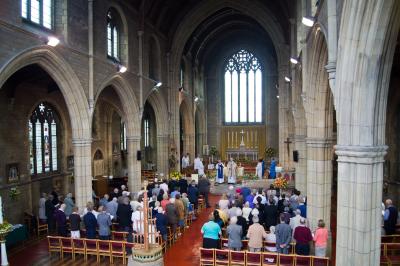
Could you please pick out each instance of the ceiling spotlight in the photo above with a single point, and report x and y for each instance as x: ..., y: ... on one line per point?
x: 277, y: 96
x: 158, y: 85
x: 308, y: 21
x: 52, y: 41
x: 287, y: 79
x: 294, y: 61
x: 196, y: 99
x: 122, y: 69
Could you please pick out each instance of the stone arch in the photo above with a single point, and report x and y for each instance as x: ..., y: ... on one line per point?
x: 205, y: 8
x: 62, y: 73
x: 124, y: 40
x: 128, y: 100
x: 319, y: 120
x: 154, y: 57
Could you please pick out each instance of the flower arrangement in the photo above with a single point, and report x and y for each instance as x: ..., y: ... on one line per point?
x: 280, y: 182
x: 14, y: 193
x: 175, y: 175
x: 270, y: 152
x: 5, y: 227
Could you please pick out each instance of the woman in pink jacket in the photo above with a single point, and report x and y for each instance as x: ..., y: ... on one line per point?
x: 321, y: 239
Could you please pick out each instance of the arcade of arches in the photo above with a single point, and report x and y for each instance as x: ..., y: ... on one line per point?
x: 134, y: 85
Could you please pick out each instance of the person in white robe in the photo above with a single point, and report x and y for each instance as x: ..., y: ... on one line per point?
x: 260, y: 169
x: 232, y: 171
x: 198, y: 166
x: 42, y: 207
x: 220, y: 172
x: 185, y: 161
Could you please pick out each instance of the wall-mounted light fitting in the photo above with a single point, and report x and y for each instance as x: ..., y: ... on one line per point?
x: 196, y: 99
x: 294, y: 60
x: 52, y: 41
x: 287, y: 79
x: 308, y: 21
x: 122, y: 69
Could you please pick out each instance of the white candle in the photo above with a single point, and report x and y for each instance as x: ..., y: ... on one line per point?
x: 1, y: 211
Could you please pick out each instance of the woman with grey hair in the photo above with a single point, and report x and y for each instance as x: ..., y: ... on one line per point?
x: 271, y: 240
x: 234, y: 232
x: 255, y: 234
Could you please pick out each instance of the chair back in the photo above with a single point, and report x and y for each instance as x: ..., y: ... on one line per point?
x: 253, y: 258
x: 224, y: 243
x: 119, y: 236
x: 207, y: 256
x: 78, y: 243
x: 319, y: 261
x: 104, y: 245
x: 303, y: 260
x: 245, y: 244
x: 270, y: 259
x: 54, y: 241
x: 286, y: 260
x: 91, y: 245
x: 66, y: 242
x: 237, y: 257
x: 222, y: 257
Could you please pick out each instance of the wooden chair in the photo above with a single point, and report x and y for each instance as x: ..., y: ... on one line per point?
x: 104, y: 249
x: 319, y: 261
x: 54, y: 244
x: 170, y: 236
x: 207, y: 257
x: 41, y: 226
x: 253, y: 258
x: 303, y: 260
x: 78, y: 247
x: 270, y: 259
x: 384, y: 259
x: 245, y: 244
x: 224, y: 243
x: 237, y: 257
x: 286, y: 260
x: 269, y: 245
x: 393, y: 253
x: 91, y: 248
x: 118, y: 235
x: 66, y: 246
x: 118, y: 250
x: 221, y: 257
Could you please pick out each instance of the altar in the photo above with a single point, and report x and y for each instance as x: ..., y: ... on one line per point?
x: 243, y: 152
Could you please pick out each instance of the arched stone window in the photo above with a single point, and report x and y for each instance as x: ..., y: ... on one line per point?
x: 38, y: 11
x: 123, y: 136
x: 243, y: 88
x: 113, y: 36
x: 43, y: 129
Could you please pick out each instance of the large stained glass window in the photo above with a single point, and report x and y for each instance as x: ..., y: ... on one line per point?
x: 38, y: 11
x: 42, y: 127
x: 146, y: 133
x: 112, y: 37
x: 243, y: 88
x: 123, y: 136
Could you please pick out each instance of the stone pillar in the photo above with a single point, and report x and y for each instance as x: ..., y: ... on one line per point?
x: 301, y: 165
x: 188, y: 145
x: 82, y: 171
x: 162, y: 154
x: 134, y: 166
x: 319, y: 180
x: 283, y: 105
x: 360, y: 171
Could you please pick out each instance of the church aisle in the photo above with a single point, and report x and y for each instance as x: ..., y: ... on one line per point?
x: 186, y: 251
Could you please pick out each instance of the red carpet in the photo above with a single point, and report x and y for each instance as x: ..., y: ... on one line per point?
x: 186, y: 252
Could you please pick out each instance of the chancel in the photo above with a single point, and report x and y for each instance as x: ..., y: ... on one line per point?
x: 209, y: 132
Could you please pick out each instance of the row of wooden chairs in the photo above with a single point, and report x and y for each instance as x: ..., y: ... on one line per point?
x: 83, y: 246
x: 390, y: 254
x: 245, y: 242
x: 217, y: 257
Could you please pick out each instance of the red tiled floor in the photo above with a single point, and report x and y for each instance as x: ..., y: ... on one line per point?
x: 186, y: 252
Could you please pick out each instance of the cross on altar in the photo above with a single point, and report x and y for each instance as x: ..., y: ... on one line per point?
x: 287, y: 145
x: 242, y: 141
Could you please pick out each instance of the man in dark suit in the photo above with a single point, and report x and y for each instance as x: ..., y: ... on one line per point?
x: 204, y: 188
x: 90, y: 222
x: 61, y: 220
x: 193, y: 194
x: 161, y: 223
x: 270, y: 213
x: 124, y: 215
x: 49, y: 210
x: 172, y: 214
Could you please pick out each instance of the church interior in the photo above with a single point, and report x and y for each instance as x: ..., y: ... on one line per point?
x: 132, y: 95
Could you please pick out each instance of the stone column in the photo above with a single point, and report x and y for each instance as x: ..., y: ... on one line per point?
x: 162, y: 154
x: 319, y: 180
x: 134, y: 166
x: 82, y: 171
x: 301, y: 165
x: 360, y: 171
x: 283, y: 105
x: 188, y: 145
